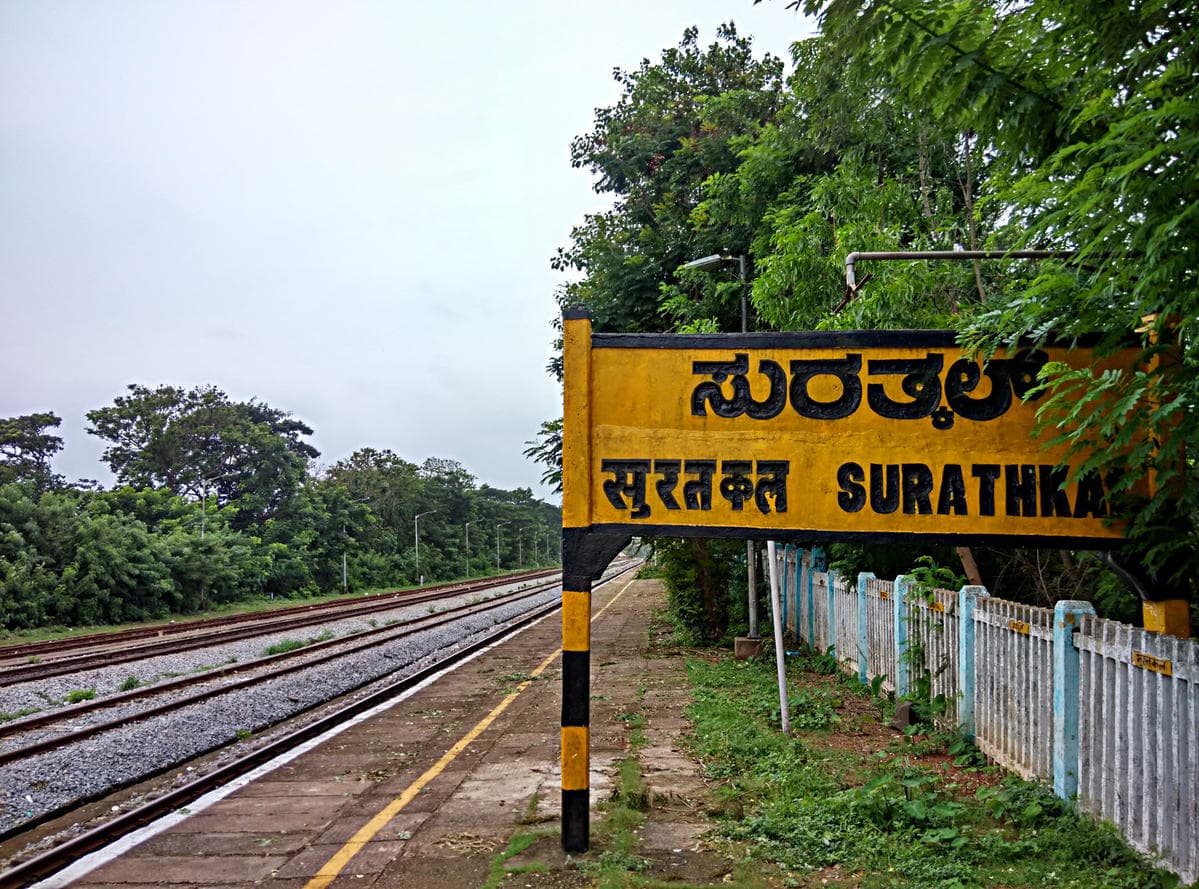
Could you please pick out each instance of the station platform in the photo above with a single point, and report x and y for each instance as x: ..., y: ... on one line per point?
x: 427, y: 792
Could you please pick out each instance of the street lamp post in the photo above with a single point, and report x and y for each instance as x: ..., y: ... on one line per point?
x: 468, y: 524
x: 707, y: 263
x: 498, y: 525
x: 345, y: 574
x: 416, y: 539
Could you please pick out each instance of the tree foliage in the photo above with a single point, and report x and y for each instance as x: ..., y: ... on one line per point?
x: 215, y: 504
x: 978, y: 124
x: 199, y: 444
x: 27, y: 447
x: 1087, y: 115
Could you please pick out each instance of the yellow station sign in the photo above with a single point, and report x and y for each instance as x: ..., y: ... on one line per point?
x: 836, y: 435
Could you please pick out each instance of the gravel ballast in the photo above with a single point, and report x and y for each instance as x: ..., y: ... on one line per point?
x: 59, y: 779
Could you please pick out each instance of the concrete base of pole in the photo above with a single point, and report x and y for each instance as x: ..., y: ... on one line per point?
x: 747, y: 647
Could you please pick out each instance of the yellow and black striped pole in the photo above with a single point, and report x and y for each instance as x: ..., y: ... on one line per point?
x: 576, y: 581
x: 576, y: 712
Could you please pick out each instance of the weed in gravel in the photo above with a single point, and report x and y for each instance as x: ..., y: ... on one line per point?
x: 284, y: 646
x: 9, y: 716
x: 76, y: 695
x: 520, y: 841
x: 615, y: 838
x: 130, y: 683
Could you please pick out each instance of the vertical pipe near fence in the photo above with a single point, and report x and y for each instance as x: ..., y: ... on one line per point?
x: 864, y: 577
x: 832, y: 612
x: 817, y: 565
x: 779, y: 654
x: 903, y: 668
x: 796, y: 582
x: 1066, y: 618
x: 783, y: 581
x: 968, y: 597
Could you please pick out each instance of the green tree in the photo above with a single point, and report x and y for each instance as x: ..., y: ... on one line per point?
x: 680, y: 122
x: 675, y: 125
x: 199, y: 444
x: 26, y: 448
x: 1088, y: 116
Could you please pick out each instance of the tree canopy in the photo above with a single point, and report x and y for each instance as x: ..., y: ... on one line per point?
x: 219, y: 501
x: 1055, y: 125
x: 27, y: 447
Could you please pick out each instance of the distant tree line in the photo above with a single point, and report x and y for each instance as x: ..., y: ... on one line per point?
x: 217, y: 501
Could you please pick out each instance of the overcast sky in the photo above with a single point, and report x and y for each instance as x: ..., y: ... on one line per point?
x: 344, y: 209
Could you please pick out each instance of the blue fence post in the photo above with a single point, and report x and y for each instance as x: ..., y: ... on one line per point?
x: 863, y: 628
x: 1067, y: 615
x: 797, y: 590
x: 818, y: 565
x: 783, y: 583
x: 832, y: 613
x: 902, y: 668
x: 968, y: 597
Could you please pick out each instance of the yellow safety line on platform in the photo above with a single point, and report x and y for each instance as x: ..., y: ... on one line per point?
x: 335, y: 865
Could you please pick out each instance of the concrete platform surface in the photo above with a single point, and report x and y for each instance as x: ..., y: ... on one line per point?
x: 428, y: 792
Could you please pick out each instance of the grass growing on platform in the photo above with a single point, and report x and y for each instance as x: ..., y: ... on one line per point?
x: 842, y: 802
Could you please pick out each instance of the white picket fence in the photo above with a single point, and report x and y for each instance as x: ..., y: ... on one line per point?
x: 1106, y: 712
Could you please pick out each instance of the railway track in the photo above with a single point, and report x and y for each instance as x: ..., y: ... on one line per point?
x: 221, y: 680
x: 41, y: 660
x: 368, y: 693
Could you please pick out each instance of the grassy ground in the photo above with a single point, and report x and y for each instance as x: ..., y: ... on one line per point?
x: 848, y: 801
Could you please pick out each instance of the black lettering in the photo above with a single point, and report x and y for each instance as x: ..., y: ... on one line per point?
x: 844, y: 369
x: 1006, y: 375
x: 774, y: 402
x: 987, y: 474
x: 921, y: 382
x: 1054, y: 501
x: 952, y: 499
x: 1020, y: 482
x: 884, y: 496
x: 853, y: 494
x: 772, y: 482
x: 712, y: 394
x: 917, y: 489
x: 628, y: 480
x: 1091, y: 502
x: 697, y: 493
x: 963, y: 378
x: 669, y: 470
x: 736, y: 487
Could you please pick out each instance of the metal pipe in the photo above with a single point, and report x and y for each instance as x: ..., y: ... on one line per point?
x: 744, y: 296
x: 499, y: 525
x: 853, y: 258
x: 416, y: 541
x: 779, y: 659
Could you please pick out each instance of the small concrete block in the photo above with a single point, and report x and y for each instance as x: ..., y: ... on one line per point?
x: 904, y: 716
x: 746, y: 647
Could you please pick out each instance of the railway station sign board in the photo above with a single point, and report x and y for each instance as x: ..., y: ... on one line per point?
x: 867, y: 435
x: 811, y: 436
